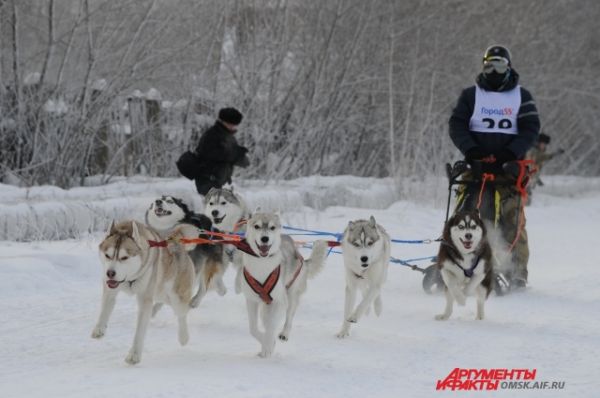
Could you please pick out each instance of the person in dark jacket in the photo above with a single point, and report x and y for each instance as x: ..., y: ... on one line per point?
x: 494, y: 123
x: 218, y: 152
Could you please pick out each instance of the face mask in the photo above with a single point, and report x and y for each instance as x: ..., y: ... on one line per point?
x: 495, y: 79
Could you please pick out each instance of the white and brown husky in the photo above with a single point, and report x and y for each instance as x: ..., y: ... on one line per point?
x: 274, y: 277
x: 135, y: 265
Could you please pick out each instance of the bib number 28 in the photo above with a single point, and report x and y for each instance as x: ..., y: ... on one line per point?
x: 502, y: 124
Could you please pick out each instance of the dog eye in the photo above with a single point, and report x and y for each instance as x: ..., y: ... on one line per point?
x: 124, y: 258
x: 272, y: 228
x: 223, y: 203
x: 369, y: 243
x: 107, y: 256
x: 257, y: 227
x: 355, y: 244
x: 211, y: 203
x: 169, y: 201
x: 461, y: 227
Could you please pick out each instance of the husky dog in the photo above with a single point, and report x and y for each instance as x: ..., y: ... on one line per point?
x: 366, y: 251
x: 153, y: 274
x: 165, y: 214
x: 229, y: 214
x: 275, y: 276
x: 465, y: 261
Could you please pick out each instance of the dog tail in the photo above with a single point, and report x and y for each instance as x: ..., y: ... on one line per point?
x: 317, y: 258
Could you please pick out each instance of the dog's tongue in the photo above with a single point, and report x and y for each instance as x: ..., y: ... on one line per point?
x: 112, y: 283
x: 264, y: 250
x: 467, y: 244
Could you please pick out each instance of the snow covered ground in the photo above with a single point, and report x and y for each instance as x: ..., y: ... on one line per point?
x: 50, y: 297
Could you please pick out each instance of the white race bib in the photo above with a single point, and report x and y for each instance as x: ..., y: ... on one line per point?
x: 496, y: 112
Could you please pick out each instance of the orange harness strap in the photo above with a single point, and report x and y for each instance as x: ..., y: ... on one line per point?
x: 521, y: 186
x: 485, y: 177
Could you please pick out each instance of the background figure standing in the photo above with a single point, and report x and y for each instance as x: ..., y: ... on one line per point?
x: 539, y: 155
x: 494, y: 123
x: 219, y: 152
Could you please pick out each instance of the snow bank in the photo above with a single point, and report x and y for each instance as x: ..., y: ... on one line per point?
x: 51, y: 213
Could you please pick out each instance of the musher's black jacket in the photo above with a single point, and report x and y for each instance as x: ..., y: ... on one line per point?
x: 528, y: 122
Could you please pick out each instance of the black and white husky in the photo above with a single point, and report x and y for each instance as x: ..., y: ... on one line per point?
x: 229, y: 213
x: 366, y: 252
x: 465, y: 261
x: 167, y: 212
x: 274, y: 277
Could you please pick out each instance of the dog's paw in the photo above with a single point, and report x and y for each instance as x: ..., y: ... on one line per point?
x: 353, y: 319
x: 133, y: 358
x: 460, y: 299
x: 265, y: 353
x: 98, y: 332
x: 343, y: 334
x: 283, y: 337
x: 479, y: 317
x: 441, y: 317
x: 183, y: 336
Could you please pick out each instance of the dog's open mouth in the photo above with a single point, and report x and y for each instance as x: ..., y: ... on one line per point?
x: 160, y: 212
x: 113, y: 284
x: 467, y: 243
x: 263, y: 250
x: 219, y: 220
x: 364, y: 265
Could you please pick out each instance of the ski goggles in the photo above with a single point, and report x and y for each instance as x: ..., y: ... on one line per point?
x: 498, y: 64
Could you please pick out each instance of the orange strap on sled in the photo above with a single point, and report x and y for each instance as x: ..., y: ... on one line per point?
x: 523, y: 179
x: 485, y: 178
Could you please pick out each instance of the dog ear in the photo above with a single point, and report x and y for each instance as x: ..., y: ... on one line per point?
x: 446, y: 232
x: 372, y: 222
x: 211, y: 191
x: 135, y: 234
x: 111, y: 229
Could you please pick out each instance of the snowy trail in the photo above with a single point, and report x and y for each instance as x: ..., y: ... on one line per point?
x: 50, y: 297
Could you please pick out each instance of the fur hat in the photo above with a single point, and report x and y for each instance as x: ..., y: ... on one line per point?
x: 230, y: 115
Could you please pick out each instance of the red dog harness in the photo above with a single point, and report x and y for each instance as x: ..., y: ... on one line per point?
x: 263, y: 289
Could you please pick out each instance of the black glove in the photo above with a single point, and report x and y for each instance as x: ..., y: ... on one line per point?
x: 475, y: 153
x: 504, y: 156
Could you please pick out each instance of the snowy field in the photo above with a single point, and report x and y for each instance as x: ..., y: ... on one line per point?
x: 50, y: 297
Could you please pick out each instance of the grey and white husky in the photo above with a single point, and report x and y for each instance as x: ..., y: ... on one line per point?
x: 366, y: 252
x: 229, y: 213
x: 274, y: 277
x: 167, y: 213
x: 153, y: 274
x: 465, y: 260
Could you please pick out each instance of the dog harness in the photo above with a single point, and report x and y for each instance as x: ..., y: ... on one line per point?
x: 263, y: 289
x: 468, y: 272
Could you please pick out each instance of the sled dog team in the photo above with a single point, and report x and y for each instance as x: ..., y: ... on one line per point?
x: 149, y: 261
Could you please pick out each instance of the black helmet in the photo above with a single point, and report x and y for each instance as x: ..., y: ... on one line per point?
x: 496, y: 51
